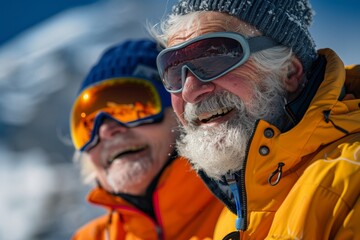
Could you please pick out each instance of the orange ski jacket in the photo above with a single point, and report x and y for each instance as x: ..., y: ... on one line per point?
x: 184, y: 209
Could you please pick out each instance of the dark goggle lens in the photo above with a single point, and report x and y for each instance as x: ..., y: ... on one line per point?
x: 206, y: 58
x: 125, y: 99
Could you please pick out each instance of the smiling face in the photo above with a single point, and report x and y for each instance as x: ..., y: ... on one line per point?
x: 238, y: 82
x: 127, y: 159
x: 218, y: 117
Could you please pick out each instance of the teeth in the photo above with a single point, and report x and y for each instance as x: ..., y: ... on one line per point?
x: 126, y: 150
x: 208, y: 116
x: 205, y: 116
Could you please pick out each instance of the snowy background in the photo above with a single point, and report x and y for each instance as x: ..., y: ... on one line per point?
x: 46, y: 48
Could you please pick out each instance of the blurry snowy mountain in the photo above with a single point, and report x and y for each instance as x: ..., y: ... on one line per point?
x: 42, y: 195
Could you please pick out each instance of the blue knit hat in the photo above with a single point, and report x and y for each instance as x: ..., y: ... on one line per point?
x: 131, y: 58
x: 286, y: 21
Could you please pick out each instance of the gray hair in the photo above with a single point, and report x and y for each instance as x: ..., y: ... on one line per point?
x: 276, y: 58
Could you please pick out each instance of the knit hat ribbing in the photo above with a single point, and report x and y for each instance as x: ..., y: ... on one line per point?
x: 287, y: 22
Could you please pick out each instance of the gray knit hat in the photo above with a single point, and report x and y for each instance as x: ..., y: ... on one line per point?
x: 286, y: 21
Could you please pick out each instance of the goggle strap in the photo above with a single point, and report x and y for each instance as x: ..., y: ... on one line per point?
x: 259, y: 43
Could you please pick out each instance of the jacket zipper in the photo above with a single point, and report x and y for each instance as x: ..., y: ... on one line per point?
x: 159, y: 232
x: 231, y: 181
x: 158, y: 225
x: 243, y: 198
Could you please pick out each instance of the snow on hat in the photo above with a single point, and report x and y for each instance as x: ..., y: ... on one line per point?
x: 131, y: 58
x: 287, y: 21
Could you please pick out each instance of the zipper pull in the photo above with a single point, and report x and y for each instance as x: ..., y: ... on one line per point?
x: 230, y: 178
x: 277, y: 172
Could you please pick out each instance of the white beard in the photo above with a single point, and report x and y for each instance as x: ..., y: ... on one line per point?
x: 128, y: 176
x: 221, y: 150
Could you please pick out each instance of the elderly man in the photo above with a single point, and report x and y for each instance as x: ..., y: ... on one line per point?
x: 271, y: 125
x: 122, y: 126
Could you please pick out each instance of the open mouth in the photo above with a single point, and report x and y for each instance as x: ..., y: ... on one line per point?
x: 208, y: 117
x: 127, y: 152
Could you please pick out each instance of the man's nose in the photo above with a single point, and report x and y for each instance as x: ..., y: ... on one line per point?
x: 195, y: 90
x: 110, y: 127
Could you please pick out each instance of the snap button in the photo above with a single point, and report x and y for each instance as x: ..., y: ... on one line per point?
x: 269, y: 133
x: 264, y: 150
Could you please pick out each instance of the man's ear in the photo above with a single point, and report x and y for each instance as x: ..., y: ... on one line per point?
x: 294, y: 77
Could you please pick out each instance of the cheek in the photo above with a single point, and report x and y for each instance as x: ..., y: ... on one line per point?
x: 178, y: 106
x: 95, y: 157
x: 238, y: 85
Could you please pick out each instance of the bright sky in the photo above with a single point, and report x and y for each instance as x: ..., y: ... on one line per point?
x: 337, y: 25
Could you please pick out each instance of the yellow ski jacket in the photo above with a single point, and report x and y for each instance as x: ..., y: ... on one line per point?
x: 303, y: 183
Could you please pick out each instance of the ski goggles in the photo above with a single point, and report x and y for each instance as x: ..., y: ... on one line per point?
x: 208, y: 57
x: 127, y: 100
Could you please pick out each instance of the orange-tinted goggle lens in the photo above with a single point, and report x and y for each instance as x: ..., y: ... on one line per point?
x: 130, y: 101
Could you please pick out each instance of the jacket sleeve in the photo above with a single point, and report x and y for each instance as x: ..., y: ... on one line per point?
x: 324, y: 203
x: 93, y: 230
x: 350, y: 227
x: 100, y: 229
